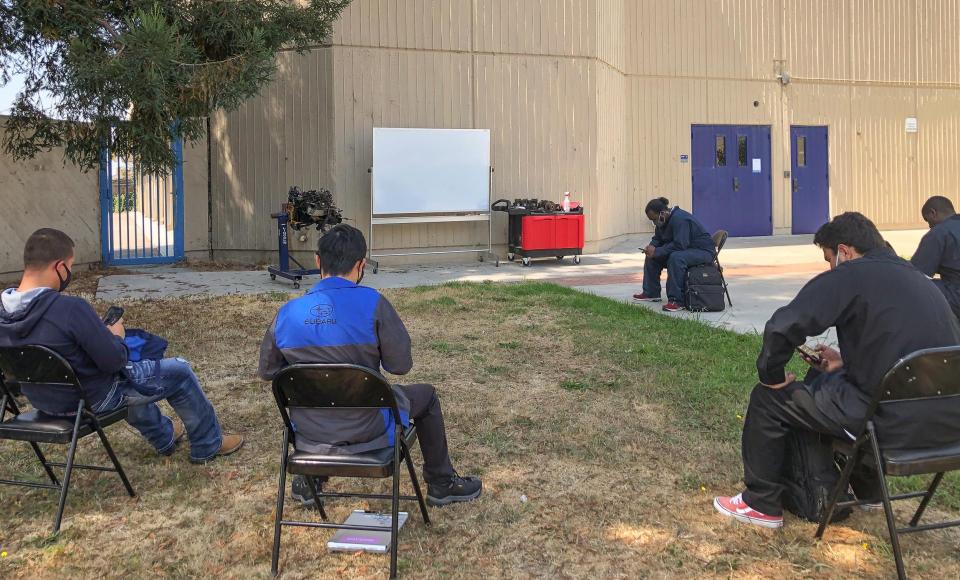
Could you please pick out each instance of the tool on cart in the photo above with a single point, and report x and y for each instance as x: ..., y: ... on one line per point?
x: 303, y: 209
x: 540, y: 228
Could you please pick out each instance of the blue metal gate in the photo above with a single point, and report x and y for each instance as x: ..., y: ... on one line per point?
x: 141, y: 214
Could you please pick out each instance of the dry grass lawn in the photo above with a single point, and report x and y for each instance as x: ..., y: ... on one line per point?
x: 601, y: 431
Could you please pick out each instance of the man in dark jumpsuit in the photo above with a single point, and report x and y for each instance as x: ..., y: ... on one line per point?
x: 939, y: 250
x: 883, y: 309
x: 679, y: 243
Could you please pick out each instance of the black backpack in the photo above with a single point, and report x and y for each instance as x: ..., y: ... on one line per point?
x: 705, y: 289
x: 810, y: 474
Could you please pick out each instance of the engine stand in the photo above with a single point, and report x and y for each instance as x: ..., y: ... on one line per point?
x: 283, y: 269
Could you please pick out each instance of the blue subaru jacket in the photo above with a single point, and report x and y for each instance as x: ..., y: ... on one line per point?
x: 339, y: 322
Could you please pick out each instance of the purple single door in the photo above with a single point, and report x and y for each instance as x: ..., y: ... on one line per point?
x: 811, y: 178
x: 732, y: 187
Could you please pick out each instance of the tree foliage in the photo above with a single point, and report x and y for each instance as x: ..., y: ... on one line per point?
x: 144, y: 69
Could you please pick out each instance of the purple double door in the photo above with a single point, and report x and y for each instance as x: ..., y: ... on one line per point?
x: 732, y: 187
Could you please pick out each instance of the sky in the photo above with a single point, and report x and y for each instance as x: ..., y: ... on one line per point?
x: 7, y: 93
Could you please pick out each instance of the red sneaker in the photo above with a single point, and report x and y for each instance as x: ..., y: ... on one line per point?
x: 642, y: 297
x: 672, y: 307
x: 734, y: 507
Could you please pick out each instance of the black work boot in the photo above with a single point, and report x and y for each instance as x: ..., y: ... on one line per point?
x: 453, y: 490
x: 300, y: 489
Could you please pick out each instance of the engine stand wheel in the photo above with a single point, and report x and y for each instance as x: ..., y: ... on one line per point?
x: 526, y: 261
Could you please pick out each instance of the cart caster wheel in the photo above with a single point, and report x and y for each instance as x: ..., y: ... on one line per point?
x: 375, y: 270
x: 296, y: 285
x: 526, y: 261
x: 511, y: 257
x: 273, y: 276
x: 560, y: 258
x: 480, y: 258
x: 576, y: 259
x: 498, y: 262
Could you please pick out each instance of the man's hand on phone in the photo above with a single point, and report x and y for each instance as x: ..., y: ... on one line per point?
x: 649, y: 250
x: 790, y: 378
x: 830, y: 360
x: 118, y: 329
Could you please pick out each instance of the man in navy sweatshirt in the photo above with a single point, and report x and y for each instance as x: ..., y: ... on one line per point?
x: 679, y: 243
x: 37, y: 313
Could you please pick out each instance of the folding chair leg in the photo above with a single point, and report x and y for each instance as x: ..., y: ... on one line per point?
x: 395, y: 507
x: 69, y: 470
x: 835, y: 495
x: 43, y: 461
x: 113, y: 458
x: 416, y: 485
x: 316, y: 497
x: 926, y: 499
x: 723, y: 280
x: 281, y: 489
x: 887, y: 505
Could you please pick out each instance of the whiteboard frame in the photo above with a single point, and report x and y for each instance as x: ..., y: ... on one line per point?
x: 373, y: 178
x: 423, y: 217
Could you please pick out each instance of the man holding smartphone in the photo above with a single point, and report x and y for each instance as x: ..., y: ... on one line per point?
x: 37, y: 313
x: 883, y: 309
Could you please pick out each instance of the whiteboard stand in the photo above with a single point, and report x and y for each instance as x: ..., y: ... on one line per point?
x: 434, y: 218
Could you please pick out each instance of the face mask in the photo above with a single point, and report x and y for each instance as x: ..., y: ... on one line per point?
x: 64, y: 282
x: 360, y: 279
x: 837, y: 261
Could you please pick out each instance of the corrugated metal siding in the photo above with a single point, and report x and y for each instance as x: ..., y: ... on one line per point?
x: 597, y: 97
x: 411, y: 24
x: 380, y: 88
x: 279, y: 139
x: 817, y: 38
x: 552, y: 27
x: 883, y: 37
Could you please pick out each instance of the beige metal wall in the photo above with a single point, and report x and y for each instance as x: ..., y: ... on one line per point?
x: 43, y: 192
x: 597, y: 97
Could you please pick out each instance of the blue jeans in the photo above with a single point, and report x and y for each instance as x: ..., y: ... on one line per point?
x: 149, y: 381
x: 676, y: 264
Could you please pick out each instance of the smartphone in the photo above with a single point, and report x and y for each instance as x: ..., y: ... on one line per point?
x: 114, y: 313
x: 809, y: 354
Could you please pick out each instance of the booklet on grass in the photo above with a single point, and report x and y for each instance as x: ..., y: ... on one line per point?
x: 363, y: 540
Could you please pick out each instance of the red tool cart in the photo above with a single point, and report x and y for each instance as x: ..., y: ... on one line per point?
x: 540, y: 229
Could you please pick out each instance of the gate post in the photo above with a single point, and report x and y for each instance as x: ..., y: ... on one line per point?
x: 178, y: 197
x: 106, y: 205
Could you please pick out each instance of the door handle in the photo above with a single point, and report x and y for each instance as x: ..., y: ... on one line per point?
x: 796, y: 185
x: 736, y: 184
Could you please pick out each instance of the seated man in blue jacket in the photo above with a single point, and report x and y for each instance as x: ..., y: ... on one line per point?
x: 679, y: 242
x: 339, y: 321
x: 37, y: 313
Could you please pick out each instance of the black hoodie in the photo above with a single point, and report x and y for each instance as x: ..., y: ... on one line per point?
x: 70, y: 327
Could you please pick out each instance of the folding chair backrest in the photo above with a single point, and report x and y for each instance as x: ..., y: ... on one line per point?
x: 37, y: 367
x: 719, y: 239
x: 329, y: 386
x: 926, y: 374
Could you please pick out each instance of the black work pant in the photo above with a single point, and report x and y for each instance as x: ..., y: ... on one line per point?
x: 772, y: 414
x: 428, y: 417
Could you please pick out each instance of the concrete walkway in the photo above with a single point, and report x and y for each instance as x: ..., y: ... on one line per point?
x: 763, y: 273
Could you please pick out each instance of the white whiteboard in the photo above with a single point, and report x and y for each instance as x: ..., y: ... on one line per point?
x: 418, y: 171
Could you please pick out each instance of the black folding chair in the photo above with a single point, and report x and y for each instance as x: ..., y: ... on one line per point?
x: 719, y: 240
x: 341, y: 386
x: 930, y: 377
x: 36, y: 368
